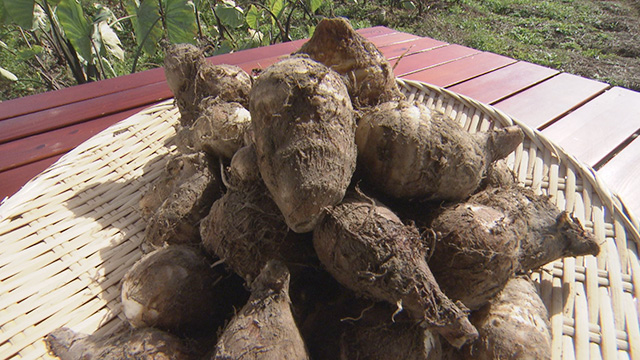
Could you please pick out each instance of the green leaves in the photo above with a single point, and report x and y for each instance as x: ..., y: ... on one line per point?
x: 180, y: 21
x: 177, y: 23
x: 315, y: 5
x: 276, y: 7
x: 20, y: 12
x: 3, y: 12
x: 76, y: 27
x: 108, y: 39
x: 230, y: 14
x: 253, y: 17
x: 148, y: 26
x: 30, y: 53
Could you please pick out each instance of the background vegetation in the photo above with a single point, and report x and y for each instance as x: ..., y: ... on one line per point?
x: 50, y: 44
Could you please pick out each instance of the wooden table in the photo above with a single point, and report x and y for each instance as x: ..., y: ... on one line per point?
x: 592, y: 120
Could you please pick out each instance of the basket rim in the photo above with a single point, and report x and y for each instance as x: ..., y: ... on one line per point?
x: 610, y: 199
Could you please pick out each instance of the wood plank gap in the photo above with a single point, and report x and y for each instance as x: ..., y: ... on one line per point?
x: 478, y: 75
x: 524, y: 89
x: 36, y: 147
x: 74, y: 113
x: 616, y: 151
x: 394, y: 65
x: 574, y: 108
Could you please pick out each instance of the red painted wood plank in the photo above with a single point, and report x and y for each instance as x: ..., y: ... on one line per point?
x: 373, y: 31
x: 595, y: 129
x: 550, y: 99
x: 392, y: 38
x: 13, y: 180
x: 503, y: 82
x: 47, y: 120
x: 43, y: 101
x: 406, y: 48
x: 424, y: 60
x: 460, y: 70
x: 383, y: 45
x: 279, y: 49
x: 40, y: 146
x: 622, y: 175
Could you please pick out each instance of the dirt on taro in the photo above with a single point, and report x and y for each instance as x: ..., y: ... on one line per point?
x: 590, y: 38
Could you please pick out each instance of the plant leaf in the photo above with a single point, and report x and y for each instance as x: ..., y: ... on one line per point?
x: 76, y: 27
x: 408, y: 5
x: 253, y: 17
x: 276, y: 7
x: 3, y: 12
x: 6, y: 74
x: 106, y: 62
x: 40, y: 20
x: 148, y: 28
x: 229, y: 15
x: 180, y: 20
x: 29, y: 53
x: 315, y: 5
x: 20, y: 12
x: 110, y: 40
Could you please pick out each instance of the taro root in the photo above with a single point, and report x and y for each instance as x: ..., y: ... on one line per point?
x: 264, y: 328
x: 191, y: 78
x: 378, y: 335
x: 497, y: 233
x: 148, y: 343
x: 367, y: 249
x: 304, y: 130
x: 172, y: 289
x: 219, y: 129
x: 181, y: 65
x: 550, y: 234
x: 367, y: 73
x: 193, y: 188
x: 410, y: 152
x: 514, y: 325
x: 246, y: 229
x: 499, y: 174
x: 244, y: 165
x: 227, y: 82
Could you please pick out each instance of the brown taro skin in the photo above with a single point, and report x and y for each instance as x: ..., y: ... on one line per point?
x: 483, y: 242
x: 245, y: 228
x: 172, y: 289
x: 379, y: 334
x: 147, y: 343
x: 367, y: 249
x: 191, y: 78
x: 181, y: 65
x: 513, y: 325
x: 175, y: 204
x: 367, y: 73
x: 407, y: 151
x: 220, y: 128
x: 264, y: 328
x: 304, y: 131
x: 227, y: 82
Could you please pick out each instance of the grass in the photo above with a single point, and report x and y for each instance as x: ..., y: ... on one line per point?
x: 596, y: 39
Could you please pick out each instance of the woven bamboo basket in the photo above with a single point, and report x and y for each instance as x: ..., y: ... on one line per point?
x: 68, y: 236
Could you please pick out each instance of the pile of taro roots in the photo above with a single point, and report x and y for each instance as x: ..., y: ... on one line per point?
x: 313, y: 212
